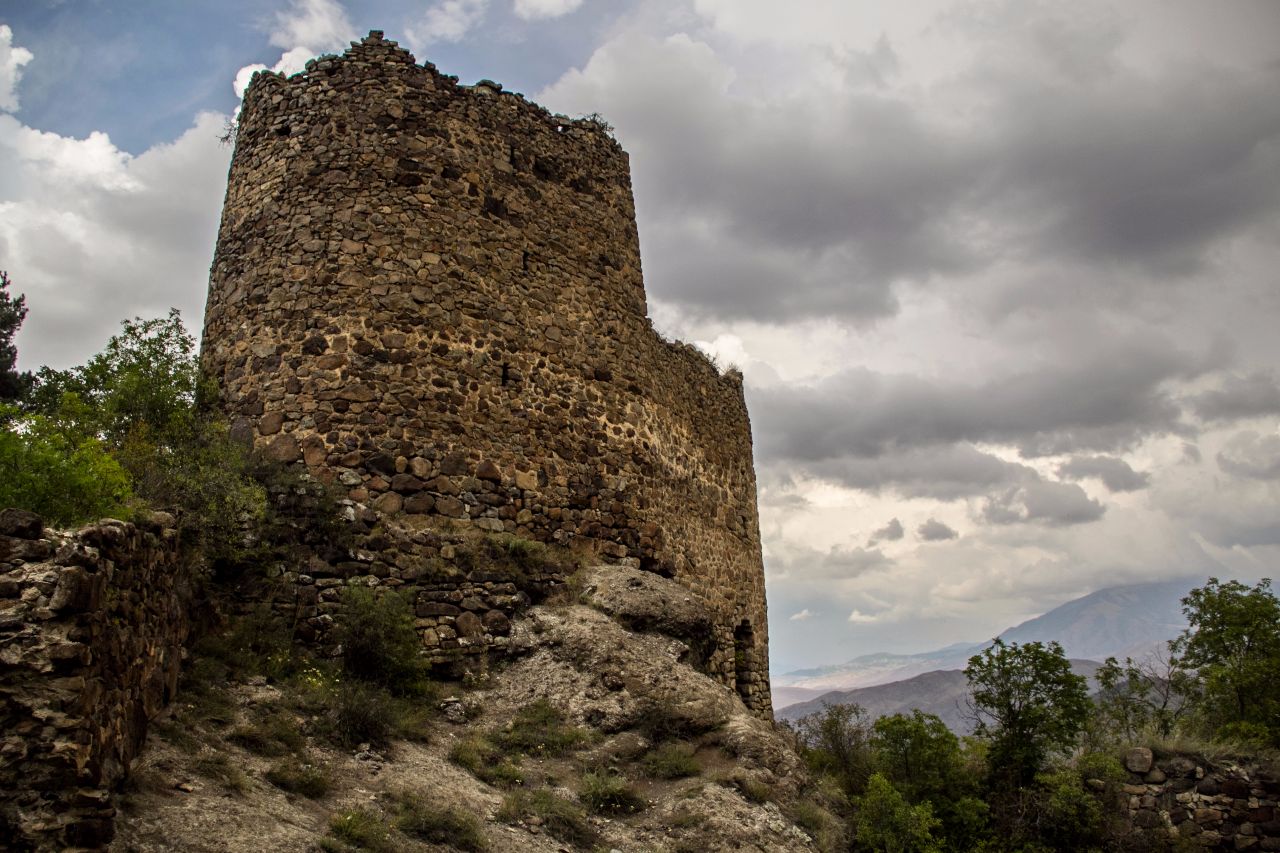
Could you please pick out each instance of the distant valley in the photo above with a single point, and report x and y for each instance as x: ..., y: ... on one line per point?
x: 1123, y: 621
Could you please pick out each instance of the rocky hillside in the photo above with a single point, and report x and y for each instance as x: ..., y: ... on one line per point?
x: 598, y: 734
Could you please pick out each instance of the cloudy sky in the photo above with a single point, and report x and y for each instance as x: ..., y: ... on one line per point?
x: 1003, y: 277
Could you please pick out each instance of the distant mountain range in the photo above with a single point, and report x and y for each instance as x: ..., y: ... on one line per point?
x: 1124, y: 621
x: 942, y: 692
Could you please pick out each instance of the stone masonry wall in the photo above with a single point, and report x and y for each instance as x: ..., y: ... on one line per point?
x: 431, y: 294
x: 1180, y: 802
x: 92, y: 626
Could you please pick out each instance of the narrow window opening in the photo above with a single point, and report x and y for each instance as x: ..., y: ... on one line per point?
x: 524, y: 261
x: 506, y: 373
x: 744, y: 642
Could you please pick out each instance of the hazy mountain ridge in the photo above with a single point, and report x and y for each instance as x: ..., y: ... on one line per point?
x: 1124, y: 621
x: 942, y: 692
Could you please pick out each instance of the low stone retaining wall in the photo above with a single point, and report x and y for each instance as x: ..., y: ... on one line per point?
x: 1181, y: 801
x: 92, y: 628
x: 463, y: 599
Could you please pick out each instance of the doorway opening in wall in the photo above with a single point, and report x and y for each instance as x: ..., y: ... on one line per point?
x: 744, y: 641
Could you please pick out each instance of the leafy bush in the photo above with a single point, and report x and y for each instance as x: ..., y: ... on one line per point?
x: 147, y: 375
x: 836, y: 742
x: 1232, y: 642
x: 671, y: 761
x: 1067, y: 816
x: 886, y: 822
x: 64, y: 478
x: 561, y: 818
x: 918, y: 754
x: 379, y: 642
x: 458, y: 829
x: 609, y: 793
x: 13, y: 310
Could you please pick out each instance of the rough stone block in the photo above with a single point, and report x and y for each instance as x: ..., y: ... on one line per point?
x: 1138, y: 760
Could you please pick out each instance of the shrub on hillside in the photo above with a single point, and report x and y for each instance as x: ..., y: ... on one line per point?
x: 887, y: 823
x: 458, y: 829
x: 539, y: 729
x: 609, y: 793
x: 379, y: 642
x: 561, y: 818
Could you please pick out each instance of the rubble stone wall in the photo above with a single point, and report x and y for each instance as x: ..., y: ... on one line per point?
x: 92, y: 627
x: 1180, y: 802
x: 431, y: 294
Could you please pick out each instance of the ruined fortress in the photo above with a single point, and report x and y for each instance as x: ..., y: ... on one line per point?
x: 431, y: 295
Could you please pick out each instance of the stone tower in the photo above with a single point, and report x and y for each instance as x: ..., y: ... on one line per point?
x: 431, y: 294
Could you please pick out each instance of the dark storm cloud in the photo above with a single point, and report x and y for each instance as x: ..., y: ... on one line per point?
x: 945, y: 472
x: 1043, y: 501
x: 1105, y: 399
x: 1115, y: 474
x: 1248, y: 454
x: 891, y: 532
x: 1139, y: 170
x: 821, y: 202
x: 1239, y: 396
x: 935, y: 531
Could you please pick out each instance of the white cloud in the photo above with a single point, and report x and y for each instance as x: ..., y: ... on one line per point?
x: 62, y: 161
x: 93, y: 235
x: 858, y: 617
x: 446, y: 21
x: 534, y: 9
x: 304, y: 30
x: 317, y: 24
x: 11, y: 61
x: 800, y: 616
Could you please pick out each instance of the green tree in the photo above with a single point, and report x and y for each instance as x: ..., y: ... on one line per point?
x: 66, y: 479
x: 13, y: 310
x: 144, y: 383
x: 887, y: 823
x: 922, y: 758
x: 1028, y: 703
x: 835, y: 742
x: 1233, y: 642
x: 1140, y: 698
x: 917, y: 753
